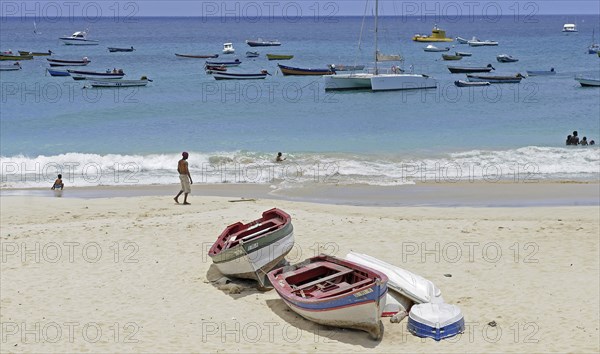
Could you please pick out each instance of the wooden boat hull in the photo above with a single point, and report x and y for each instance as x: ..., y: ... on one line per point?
x: 236, y: 76
x: 291, y: 71
x: 348, y: 295
x: 199, y: 56
x: 587, y: 82
x: 279, y: 57
x: 117, y: 83
x: 495, y: 79
x: 469, y: 70
x: 250, y: 250
x: 16, y: 57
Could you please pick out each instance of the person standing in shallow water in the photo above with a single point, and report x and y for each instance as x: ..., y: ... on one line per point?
x: 185, y: 178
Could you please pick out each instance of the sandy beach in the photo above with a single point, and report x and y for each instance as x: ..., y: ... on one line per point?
x: 131, y: 274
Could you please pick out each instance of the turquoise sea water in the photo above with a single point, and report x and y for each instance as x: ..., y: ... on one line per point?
x: 234, y: 129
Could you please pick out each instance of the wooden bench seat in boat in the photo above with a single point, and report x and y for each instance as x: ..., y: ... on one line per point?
x: 341, y: 288
x: 341, y: 272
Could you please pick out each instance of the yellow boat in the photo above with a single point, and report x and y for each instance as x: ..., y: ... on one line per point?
x: 437, y: 35
x: 15, y: 57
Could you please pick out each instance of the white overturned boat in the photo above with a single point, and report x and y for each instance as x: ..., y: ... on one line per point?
x: 119, y: 83
x: 437, y: 321
x: 78, y: 38
x: 587, y: 82
x: 413, y: 286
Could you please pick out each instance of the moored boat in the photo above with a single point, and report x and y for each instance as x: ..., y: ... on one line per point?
x: 588, y: 82
x: 35, y: 54
x: 464, y: 54
x: 541, y: 72
x: 262, y: 43
x: 451, y: 57
x: 432, y: 48
x: 60, y: 62
x: 228, y: 48
x: 240, y: 76
x: 437, y: 321
x: 468, y: 69
x: 10, y: 67
x: 55, y: 72
x: 252, y: 54
x: 343, y: 67
x: 119, y: 83
x: 334, y: 292
x: 279, y: 57
x: 495, y: 79
x: 292, y: 71
x: 117, y: 50
x: 437, y: 35
x: 198, y: 56
x: 478, y: 43
x: 462, y: 83
x: 461, y: 40
x: 15, y: 57
x: 505, y: 58
x: 210, y: 69
x: 569, y: 28
x: 78, y: 38
x: 250, y: 250
x: 93, y: 75
x: 236, y: 62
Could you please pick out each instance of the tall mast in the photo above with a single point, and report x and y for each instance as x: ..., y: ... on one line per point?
x: 376, y: 30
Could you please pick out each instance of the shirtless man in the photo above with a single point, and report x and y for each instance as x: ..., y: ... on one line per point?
x: 58, y: 183
x: 185, y: 178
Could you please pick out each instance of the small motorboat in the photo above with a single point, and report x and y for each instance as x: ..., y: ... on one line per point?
x: 334, y: 292
x: 588, y: 82
x: 117, y: 50
x: 228, y: 48
x: 35, y: 54
x: 252, y: 54
x: 451, y: 57
x: 461, y: 40
x: 495, y: 79
x: 94, y: 75
x: 279, y: 57
x: 437, y: 321
x: 437, y: 35
x: 262, y: 43
x: 462, y: 83
x: 250, y: 250
x: 143, y: 81
x: 541, y: 72
x: 236, y: 62
x: 78, y: 38
x: 60, y: 62
x: 432, y: 48
x: 55, y: 72
x: 478, y: 43
x: 240, y: 76
x: 291, y: 71
x: 10, y: 67
x: 569, y: 28
x: 198, y: 56
x: 468, y: 69
x: 505, y: 58
x: 211, y: 69
x: 343, y: 67
x: 464, y: 54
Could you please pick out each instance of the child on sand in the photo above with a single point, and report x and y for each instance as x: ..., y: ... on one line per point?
x: 58, y: 183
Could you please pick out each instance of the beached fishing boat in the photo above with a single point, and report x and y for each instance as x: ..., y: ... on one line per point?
x: 505, y: 58
x: 411, y: 285
x: 334, y: 292
x: 279, y: 57
x: 451, y: 57
x: 437, y: 35
x: 478, y: 43
x: 432, y: 48
x: 10, y: 67
x: 468, y: 69
x: 462, y: 83
x: 464, y: 54
x: 588, y: 82
x: 262, y: 43
x: 236, y: 62
x: 119, y: 83
x: 197, y: 56
x: 55, y: 72
x: 250, y: 250
x: 15, y: 57
x: 343, y: 67
x: 78, y: 38
x: 437, y: 321
x: 93, y: 75
x: 495, y: 79
x: 228, y: 48
x: 60, y: 62
x: 541, y: 72
x: 292, y: 71
x: 252, y: 54
x: 34, y: 54
x: 117, y: 50
x: 240, y: 76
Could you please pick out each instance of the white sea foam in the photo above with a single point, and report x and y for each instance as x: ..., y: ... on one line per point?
x: 526, y: 164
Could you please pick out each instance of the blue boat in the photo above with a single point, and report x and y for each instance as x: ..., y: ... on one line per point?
x: 437, y: 321
x: 54, y: 72
x: 236, y: 62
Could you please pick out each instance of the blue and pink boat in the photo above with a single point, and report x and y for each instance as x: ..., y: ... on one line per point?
x: 334, y: 292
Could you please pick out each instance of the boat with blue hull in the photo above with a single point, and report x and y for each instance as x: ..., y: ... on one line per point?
x: 55, y: 72
x: 437, y: 321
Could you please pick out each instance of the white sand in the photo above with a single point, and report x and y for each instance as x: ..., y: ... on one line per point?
x: 148, y: 290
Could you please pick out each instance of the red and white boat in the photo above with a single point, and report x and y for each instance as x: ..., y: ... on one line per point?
x: 334, y: 292
x: 250, y: 250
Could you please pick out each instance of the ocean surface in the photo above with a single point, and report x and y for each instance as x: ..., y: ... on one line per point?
x: 234, y: 129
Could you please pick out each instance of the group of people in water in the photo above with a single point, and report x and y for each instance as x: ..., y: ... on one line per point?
x: 573, y: 139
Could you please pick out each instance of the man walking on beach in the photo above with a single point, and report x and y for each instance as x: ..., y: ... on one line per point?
x: 185, y: 178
